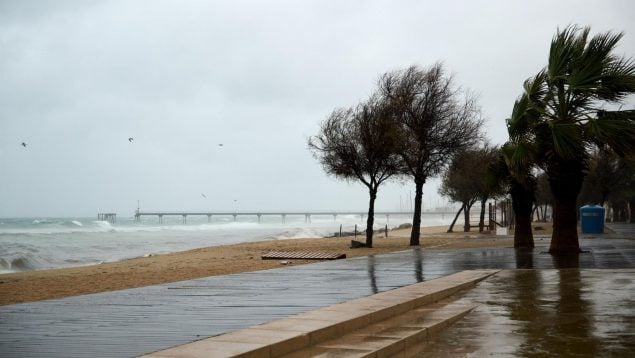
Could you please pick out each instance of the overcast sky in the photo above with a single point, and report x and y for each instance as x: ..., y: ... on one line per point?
x: 78, y: 78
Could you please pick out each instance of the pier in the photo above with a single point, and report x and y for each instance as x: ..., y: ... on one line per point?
x: 110, y: 217
x: 282, y: 214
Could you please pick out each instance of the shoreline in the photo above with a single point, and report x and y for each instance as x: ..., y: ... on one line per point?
x: 28, y: 286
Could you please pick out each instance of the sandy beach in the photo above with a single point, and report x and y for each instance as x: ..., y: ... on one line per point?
x: 217, y: 260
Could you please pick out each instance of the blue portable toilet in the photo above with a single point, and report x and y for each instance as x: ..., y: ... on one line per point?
x: 592, y: 219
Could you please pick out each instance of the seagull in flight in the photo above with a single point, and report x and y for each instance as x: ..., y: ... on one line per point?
x: 130, y: 139
x: 220, y: 144
x: 203, y: 195
x: 23, y: 144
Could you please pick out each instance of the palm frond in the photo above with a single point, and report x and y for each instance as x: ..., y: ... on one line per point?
x: 519, y: 157
x: 565, y: 47
x: 567, y: 140
x: 618, y: 80
x: 528, y: 108
x: 535, y: 87
x: 617, y: 131
x: 518, y: 124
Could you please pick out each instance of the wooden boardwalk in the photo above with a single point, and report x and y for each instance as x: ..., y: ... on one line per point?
x: 132, y: 322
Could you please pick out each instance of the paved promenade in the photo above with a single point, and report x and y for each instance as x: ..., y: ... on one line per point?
x: 136, y: 321
x: 545, y: 313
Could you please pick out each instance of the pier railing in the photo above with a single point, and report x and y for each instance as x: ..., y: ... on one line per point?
x: 283, y: 214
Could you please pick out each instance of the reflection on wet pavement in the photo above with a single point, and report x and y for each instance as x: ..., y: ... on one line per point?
x: 546, y: 313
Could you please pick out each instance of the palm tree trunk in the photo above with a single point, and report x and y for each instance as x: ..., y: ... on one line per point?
x: 523, y: 236
x: 416, y: 219
x: 456, y: 217
x: 565, y: 180
x: 522, y: 203
x: 371, y: 217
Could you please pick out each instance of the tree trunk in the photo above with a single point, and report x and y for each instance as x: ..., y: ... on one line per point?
x: 523, y: 235
x: 565, y: 181
x: 466, y: 217
x: 522, y: 203
x: 631, y: 207
x: 371, y: 217
x: 625, y: 211
x: 565, y: 227
x: 455, y: 217
x: 605, y: 196
x: 481, y: 222
x: 416, y: 219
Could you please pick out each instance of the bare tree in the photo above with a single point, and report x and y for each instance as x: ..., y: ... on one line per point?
x: 436, y: 120
x: 359, y: 144
x: 462, y: 182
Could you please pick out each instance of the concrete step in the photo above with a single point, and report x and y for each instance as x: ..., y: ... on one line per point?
x: 392, y: 337
x: 308, y: 330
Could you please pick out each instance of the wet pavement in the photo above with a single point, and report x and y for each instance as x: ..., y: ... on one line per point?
x: 546, y: 313
x: 136, y: 321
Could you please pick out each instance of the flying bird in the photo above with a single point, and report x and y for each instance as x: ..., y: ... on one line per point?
x: 220, y: 144
x: 203, y: 195
x: 130, y: 139
x: 24, y: 144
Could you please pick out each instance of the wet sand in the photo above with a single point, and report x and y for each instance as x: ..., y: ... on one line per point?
x: 216, y: 260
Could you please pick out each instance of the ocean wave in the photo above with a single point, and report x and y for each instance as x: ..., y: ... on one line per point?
x: 233, y: 225
x: 40, y: 222
x: 49, y: 227
x: 20, y: 263
x: 301, y: 233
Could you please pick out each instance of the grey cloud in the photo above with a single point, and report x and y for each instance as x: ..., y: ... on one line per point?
x: 77, y: 78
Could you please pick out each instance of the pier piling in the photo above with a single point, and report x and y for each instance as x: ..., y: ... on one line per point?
x: 109, y: 217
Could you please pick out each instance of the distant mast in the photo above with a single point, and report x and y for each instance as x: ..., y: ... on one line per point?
x: 137, y: 217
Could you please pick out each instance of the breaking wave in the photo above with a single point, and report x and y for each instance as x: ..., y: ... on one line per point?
x: 302, y: 233
x: 21, y: 263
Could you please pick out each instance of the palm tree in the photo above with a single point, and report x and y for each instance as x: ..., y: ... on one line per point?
x: 561, y: 105
x: 518, y: 165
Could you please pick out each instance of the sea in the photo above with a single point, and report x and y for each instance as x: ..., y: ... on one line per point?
x: 42, y: 243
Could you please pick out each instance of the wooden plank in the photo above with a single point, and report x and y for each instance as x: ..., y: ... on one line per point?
x: 302, y: 255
